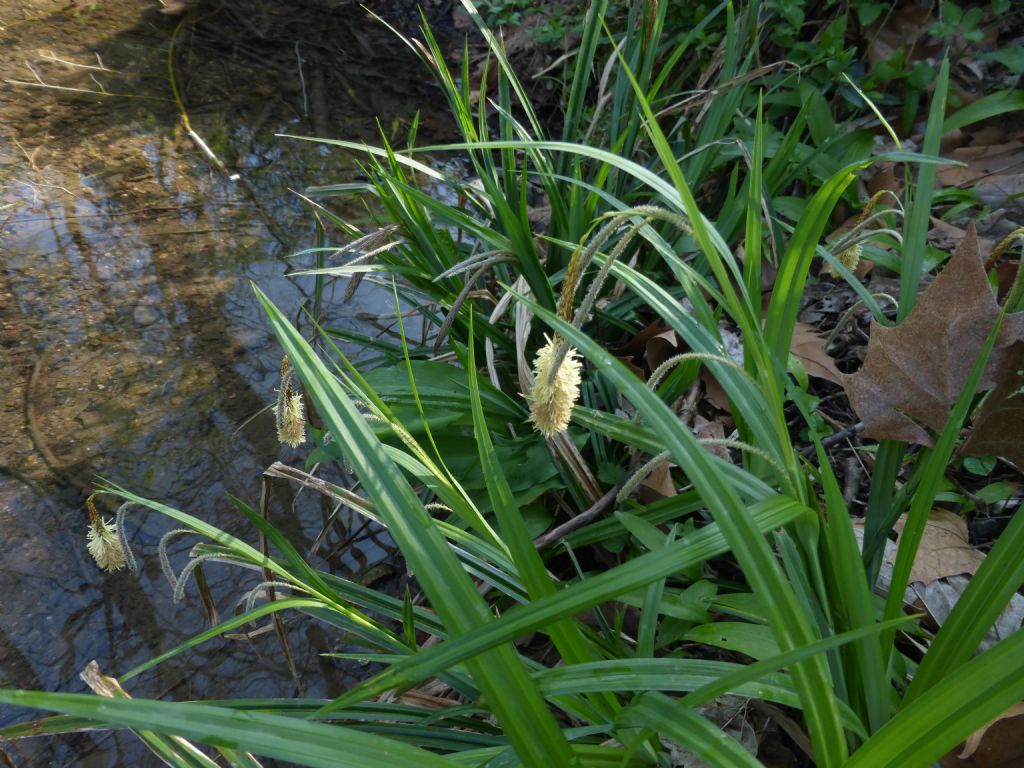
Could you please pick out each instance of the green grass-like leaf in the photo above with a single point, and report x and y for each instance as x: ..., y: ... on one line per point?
x: 499, y: 672
x: 276, y: 736
x: 681, y: 724
x: 637, y: 573
x: 791, y: 626
x: 950, y: 711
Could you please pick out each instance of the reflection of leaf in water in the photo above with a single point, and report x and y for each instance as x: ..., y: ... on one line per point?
x: 914, y: 372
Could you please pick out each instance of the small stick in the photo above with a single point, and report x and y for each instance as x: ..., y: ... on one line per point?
x: 172, y: 78
x: 852, y: 483
x: 302, y: 81
x: 282, y: 634
x: 838, y: 437
x: 577, y: 522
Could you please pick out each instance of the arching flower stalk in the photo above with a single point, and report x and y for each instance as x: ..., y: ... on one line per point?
x: 640, y: 475
x: 848, y: 249
x: 290, y: 420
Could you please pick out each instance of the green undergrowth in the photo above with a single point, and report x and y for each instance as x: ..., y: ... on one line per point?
x: 568, y: 619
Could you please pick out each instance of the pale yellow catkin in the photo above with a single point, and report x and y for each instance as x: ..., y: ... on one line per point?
x: 553, y: 397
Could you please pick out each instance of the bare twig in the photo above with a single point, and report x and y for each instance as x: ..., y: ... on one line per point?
x: 268, y: 577
x: 577, y: 522
x: 838, y: 437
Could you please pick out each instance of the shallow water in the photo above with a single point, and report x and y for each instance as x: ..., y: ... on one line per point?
x: 131, y: 341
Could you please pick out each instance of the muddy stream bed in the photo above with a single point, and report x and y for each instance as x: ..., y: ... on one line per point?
x: 130, y: 340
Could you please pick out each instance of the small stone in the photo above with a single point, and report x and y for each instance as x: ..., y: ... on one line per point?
x: 145, y: 315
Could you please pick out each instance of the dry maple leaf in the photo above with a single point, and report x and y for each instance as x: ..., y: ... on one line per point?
x: 914, y: 372
x: 999, y: 423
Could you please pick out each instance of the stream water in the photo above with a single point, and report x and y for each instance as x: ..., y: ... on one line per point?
x: 130, y: 340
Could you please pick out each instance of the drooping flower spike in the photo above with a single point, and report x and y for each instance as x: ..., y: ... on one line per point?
x: 105, y: 540
x: 290, y: 420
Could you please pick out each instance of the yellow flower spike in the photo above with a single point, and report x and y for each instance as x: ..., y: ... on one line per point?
x: 573, y: 274
x: 292, y: 427
x: 870, y: 207
x: 849, y: 258
x: 554, y: 394
x: 288, y: 412
x: 1004, y: 244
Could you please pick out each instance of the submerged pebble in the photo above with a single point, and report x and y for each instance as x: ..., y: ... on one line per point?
x: 145, y: 315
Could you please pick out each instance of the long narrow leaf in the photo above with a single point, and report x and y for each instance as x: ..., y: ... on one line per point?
x: 917, y: 222
x: 284, y: 738
x: 681, y: 724
x: 500, y: 674
x: 790, y: 625
x: 639, y: 572
x: 950, y: 711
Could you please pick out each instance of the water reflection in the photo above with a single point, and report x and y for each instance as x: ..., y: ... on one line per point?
x: 134, y: 350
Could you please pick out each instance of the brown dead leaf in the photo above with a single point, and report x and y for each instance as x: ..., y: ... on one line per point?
x: 914, y: 372
x: 953, y: 140
x: 981, y: 161
x: 995, y: 171
x: 940, y: 597
x: 997, y: 744
x: 902, y: 29
x: 1006, y: 273
x: 628, y: 362
x: 711, y: 430
x: 810, y: 348
x: 947, y: 237
x: 658, y: 485
x: 991, y: 131
x: 714, y: 392
x: 637, y: 343
x: 999, y: 423
x: 885, y: 179
x: 974, y: 741
x: 944, y: 549
x: 661, y: 347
